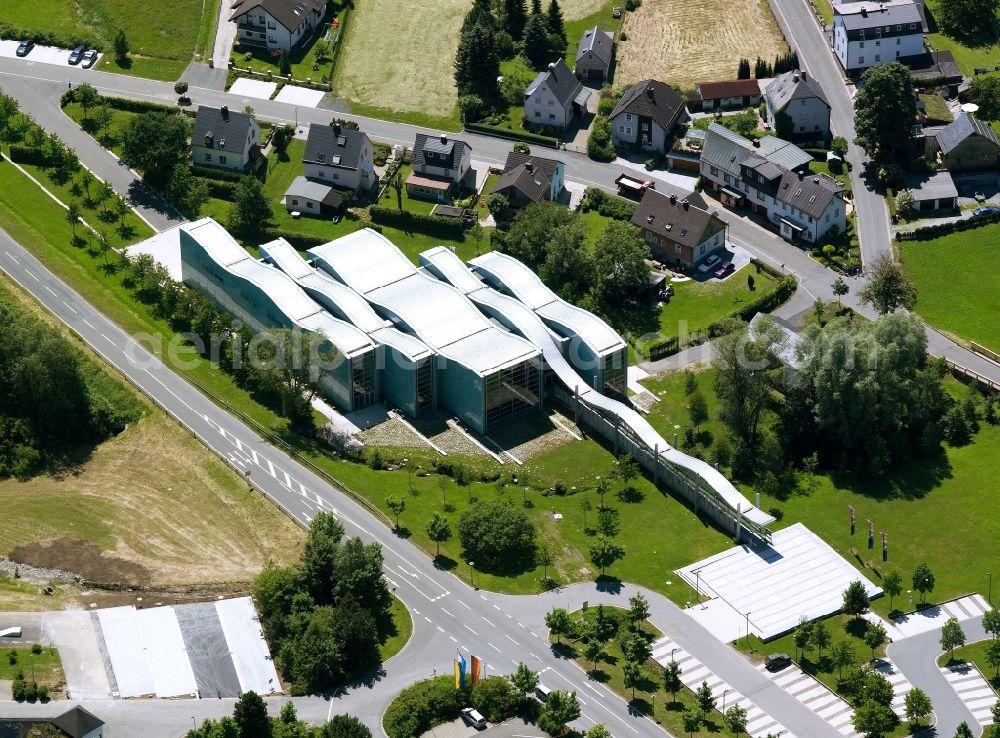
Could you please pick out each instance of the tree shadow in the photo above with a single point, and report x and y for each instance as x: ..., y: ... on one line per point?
x: 445, y: 563
x: 919, y: 476
x: 563, y: 650
x: 599, y: 675
x: 608, y: 583
x: 631, y: 494
x: 856, y: 628
x: 402, y: 532
x: 125, y: 63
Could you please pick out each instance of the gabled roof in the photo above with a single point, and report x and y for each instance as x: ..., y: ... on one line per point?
x: 227, y: 130
x: 728, y: 88
x: 809, y: 193
x: 597, y: 41
x: 446, y: 152
x: 676, y: 219
x: 560, y: 80
x: 724, y: 148
x: 653, y: 99
x: 856, y: 16
x: 768, y: 169
x: 530, y: 175
x: 782, y: 152
x: 313, y: 190
x: 932, y: 186
x: 961, y: 128
x: 335, y: 146
x: 289, y: 13
x: 548, y: 166
x: 794, y: 85
x: 77, y: 722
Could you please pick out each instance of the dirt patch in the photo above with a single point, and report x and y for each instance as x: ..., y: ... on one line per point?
x: 83, y: 558
x: 687, y: 41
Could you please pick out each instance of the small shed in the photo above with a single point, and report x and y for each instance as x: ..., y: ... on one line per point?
x: 309, y: 197
x: 594, y: 55
x: 932, y: 192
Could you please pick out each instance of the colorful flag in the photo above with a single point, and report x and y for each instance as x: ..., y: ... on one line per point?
x: 477, y: 667
x: 871, y: 535
x: 885, y: 547
x: 851, y: 508
x: 459, y: 672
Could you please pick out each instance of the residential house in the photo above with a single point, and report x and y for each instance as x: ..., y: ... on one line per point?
x: 865, y: 34
x: 646, y: 115
x: 934, y: 191
x: 340, y: 156
x: 728, y: 94
x: 724, y: 151
x: 440, y: 166
x: 312, y: 197
x: 76, y: 722
x: 797, y: 109
x: 966, y: 144
x: 276, y: 25
x: 224, y: 139
x: 527, y: 179
x: 594, y: 55
x: 555, y: 97
x: 679, y: 231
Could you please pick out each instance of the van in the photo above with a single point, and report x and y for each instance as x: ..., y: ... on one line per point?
x: 473, y: 718
x: 777, y: 661
x: 542, y: 692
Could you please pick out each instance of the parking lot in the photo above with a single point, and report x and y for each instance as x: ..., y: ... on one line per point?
x: 40, y: 54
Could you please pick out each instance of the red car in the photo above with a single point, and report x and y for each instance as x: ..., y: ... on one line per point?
x: 723, y: 269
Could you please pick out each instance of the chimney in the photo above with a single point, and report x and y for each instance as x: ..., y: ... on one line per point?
x: 552, y: 66
x: 685, y: 204
x: 225, y: 112
x: 756, y: 143
x: 208, y: 139
x: 864, y: 12
x: 802, y: 74
x: 800, y: 176
x: 673, y: 199
x: 795, y: 76
x: 444, y: 139
x: 529, y: 166
x: 336, y: 129
x: 650, y: 94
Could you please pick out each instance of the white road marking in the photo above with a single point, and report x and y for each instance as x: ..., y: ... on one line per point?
x: 30, y: 274
x: 12, y: 257
x: 447, y: 613
x: 488, y: 621
x: 471, y: 630
x: 70, y: 308
x: 453, y: 639
x: 51, y: 291
x: 511, y: 640
x: 463, y: 605
x: 494, y: 648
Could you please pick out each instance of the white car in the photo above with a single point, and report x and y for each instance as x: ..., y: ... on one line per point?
x: 473, y: 718
x: 710, y: 262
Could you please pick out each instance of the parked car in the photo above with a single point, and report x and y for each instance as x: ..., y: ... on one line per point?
x: 76, y: 55
x: 89, y: 58
x: 542, y: 692
x: 980, y: 197
x: 24, y: 48
x: 777, y: 661
x: 710, y: 262
x: 473, y: 718
x: 984, y: 210
x: 723, y: 269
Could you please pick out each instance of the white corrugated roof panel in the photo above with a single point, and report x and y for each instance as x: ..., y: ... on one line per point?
x: 591, y: 329
x: 365, y: 260
x: 348, y: 339
x: 216, y: 240
x: 523, y: 283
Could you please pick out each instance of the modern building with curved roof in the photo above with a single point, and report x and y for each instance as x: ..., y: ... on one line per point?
x: 264, y: 298
x: 485, y: 374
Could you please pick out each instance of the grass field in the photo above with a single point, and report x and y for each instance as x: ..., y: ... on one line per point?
x: 976, y: 653
x: 968, y: 58
x: 163, y: 37
x: 397, y: 62
x: 709, y: 36
x: 957, y: 265
x: 44, y: 668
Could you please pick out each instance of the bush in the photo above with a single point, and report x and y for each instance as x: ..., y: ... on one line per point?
x: 222, y: 175
x: 495, y: 698
x: 607, y: 205
x: 31, y: 691
x: 36, y: 649
x: 599, y: 146
x: 497, y: 536
x: 10, y: 32
x: 18, y: 689
x: 943, y: 229
x: 764, y: 304
x: 405, y: 220
x: 380, y: 153
x: 43, y: 693
x: 28, y: 155
x: 422, y: 706
x: 519, y: 134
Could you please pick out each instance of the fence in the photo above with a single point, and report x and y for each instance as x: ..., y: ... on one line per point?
x: 983, y: 351
x: 986, y: 382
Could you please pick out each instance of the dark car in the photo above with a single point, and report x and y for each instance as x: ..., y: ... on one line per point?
x: 984, y: 210
x: 89, y: 58
x: 777, y: 661
x: 76, y: 55
x: 25, y: 47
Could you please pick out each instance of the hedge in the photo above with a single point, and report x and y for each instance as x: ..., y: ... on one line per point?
x: 303, y: 242
x: 510, y: 133
x: 607, y: 205
x: 940, y: 229
x: 28, y: 155
x: 405, y: 220
x: 220, y: 189
x: 9, y: 32
x: 122, y: 103
x: 221, y: 175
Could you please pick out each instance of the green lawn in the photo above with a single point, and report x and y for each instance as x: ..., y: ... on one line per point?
x: 112, y: 138
x: 976, y: 653
x: 393, y: 642
x: 968, y: 58
x: 575, y: 29
x: 44, y: 668
x: 163, y: 37
x: 957, y: 291
x: 821, y: 167
x: 937, y: 110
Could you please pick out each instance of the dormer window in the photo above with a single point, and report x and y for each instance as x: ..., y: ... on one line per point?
x: 649, y: 218
x: 321, y: 156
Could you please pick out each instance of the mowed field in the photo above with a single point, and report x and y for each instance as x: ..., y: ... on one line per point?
x: 151, y: 507
x: 399, y: 54
x: 163, y: 36
x: 687, y: 41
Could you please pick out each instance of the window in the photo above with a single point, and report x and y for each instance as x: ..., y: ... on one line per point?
x: 897, y: 44
x: 677, y: 248
x: 760, y: 195
x: 628, y: 116
x: 827, y: 217
x: 701, y: 249
x: 222, y: 160
x: 551, y: 103
x: 208, y: 157
x: 335, y: 175
x: 270, y: 39
x: 714, y: 171
x: 878, y: 43
x: 862, y: 45
x: 861, y: 60
x: 816, y: 128
x: 899, y: 27
x: 294, y: 201
x: 538, y: 113
x: 272, y: 26
x: 726, y: 177
x: 552, y: 116
x: 322, y: 174
x: 878, y: 58
x: 621, y: 129
x: 628, y: 130
x: 801, y: 129
x: 912, y: 26
x: 309, y: 205
x: 649, y: 237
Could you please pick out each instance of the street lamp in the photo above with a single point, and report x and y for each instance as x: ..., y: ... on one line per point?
x: 472, y: 573
x: 724, y: 701
x: 194, y: 723
x: 409, y: 477
x: 748, y: 626
x: 989, y: 597
x: 672, y: 652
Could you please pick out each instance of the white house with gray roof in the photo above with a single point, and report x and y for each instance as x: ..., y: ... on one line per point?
x: 866, y: 34
x: 555, y: 97
x: 797, y: 109
x: 340, y: 157
x: 223, y: 138
x: 646, y: 115
x: 594, y: 55
x: 724, y: 151
x: 276, y: 24
x: 440, y: 166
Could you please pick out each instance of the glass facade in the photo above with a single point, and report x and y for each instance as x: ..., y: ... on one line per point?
x: 511, y: 390
x: 613, y: 371
x: 425, y: 384
x: 363, y: 380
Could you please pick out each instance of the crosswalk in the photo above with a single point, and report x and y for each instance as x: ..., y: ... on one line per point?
x: 973, y: 689
x: 900, y: 684
x: 693, y: 673
x: 816, y: 696
x: 930, y: 618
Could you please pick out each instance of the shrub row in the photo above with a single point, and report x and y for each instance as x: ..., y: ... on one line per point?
x: 122, y: 103
x: 11, y: 32
x: 218, y: 174
x: 514, y: 135
x: 29, y: 155
x: 405, y: 220
x: 939, y: 229
x: 423, y: 705
x: 607, y: 205
x: 764, y: 304
x: 763, y: 266
x: 221, y: 189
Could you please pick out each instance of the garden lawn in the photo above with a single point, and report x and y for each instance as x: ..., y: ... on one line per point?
x: 976, y: 653
x: 957, y: 290
x: 111, y: 140
x: 599, y: 17
x: 44, y: 668
x: 968, y: 58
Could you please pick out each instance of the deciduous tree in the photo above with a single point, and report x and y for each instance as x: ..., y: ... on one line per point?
x: 917, y: 705
x: 923, y: 580
x: 605, y: 551
x: 154, y: 143
x: 952, y: 636
x: 885, y: 108
x: 438, y: 530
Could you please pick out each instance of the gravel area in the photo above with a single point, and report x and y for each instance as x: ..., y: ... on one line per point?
x: 393, y: 432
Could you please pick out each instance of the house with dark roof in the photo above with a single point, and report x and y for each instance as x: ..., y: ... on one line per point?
x: 797, y: 109
x: 441, y: 165
x: 723, y: 153
x: 870, y: 33
x: 646, y: 115
x: 967, y: 144
x: 555, y: 97
x: 276, y: 24
x: 932, y: 191
x: 340, y: 156
x: 77, y: 722
x: 594, y: 54
x: 223, y: 138
x: 679, y: 230
x: 527, y: 179
x: 728, y: 94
